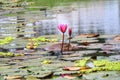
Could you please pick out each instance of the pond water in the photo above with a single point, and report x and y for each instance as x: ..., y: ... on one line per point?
x: 94, y: 16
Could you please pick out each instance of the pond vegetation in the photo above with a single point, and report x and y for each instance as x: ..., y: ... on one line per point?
x: 56, y: 57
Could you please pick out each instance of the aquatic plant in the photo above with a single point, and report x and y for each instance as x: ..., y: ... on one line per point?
x: 35, y: 42
x: 43, y: 39
x: 81, y: 63
x: 6, y: 40
x: 18, y: 54
x: 46, y: 62
x: 70, y: 36
x: 100, y: 65
x: 32, y: 45
x: 10, y: 54
x: 62, y: 28
x: 39, y: 39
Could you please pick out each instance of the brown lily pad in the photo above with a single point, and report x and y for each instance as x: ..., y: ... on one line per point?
x: 89, y: 35
x: 49, y: 75
x: 68, y: 77
x: 73, y: 68
x: 117, y: 38
x: 14, y: 77
x: 85, y: 43
x: 57, y: 47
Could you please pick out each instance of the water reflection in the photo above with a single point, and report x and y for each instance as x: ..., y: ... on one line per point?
x: 95, y: 16
x: 100, y: 16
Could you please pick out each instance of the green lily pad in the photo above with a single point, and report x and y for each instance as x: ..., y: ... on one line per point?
x: 45, y: 75
x: 1, y: 77
x: 89, y: 41
x: 95, y: 46
x: 82, y: 39
x: 60, y: 78
x: 4, y: 60
x: 84, y: 52
x: 99, y: 76
x: 31, y: 78
x: 4, y: 67
x: 65, y: 72
x: 53, y: 36
x: 70, y: 58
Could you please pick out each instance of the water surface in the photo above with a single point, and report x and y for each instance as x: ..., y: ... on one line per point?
x: 94, y: 16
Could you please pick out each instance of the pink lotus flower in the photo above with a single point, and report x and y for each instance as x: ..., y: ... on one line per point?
x: 62, y: 27
x: 70, y: 31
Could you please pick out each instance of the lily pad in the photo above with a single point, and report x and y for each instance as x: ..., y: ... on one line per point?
x: 99, y: 76
x: 65, y: 72
x: 82, y: 39
x: 44, y: 75
x: 31, y: 78
x: 60, y: 78
x: 14, y: 77
x: 95, y: 46
x: 107, y: 36
x: 89, y: 41
x: 85, y: 52
x: 4, y: 67
x: 53, y: 36
x: 57, y: 47
x: 89, y: 35
x: 70, y: 58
